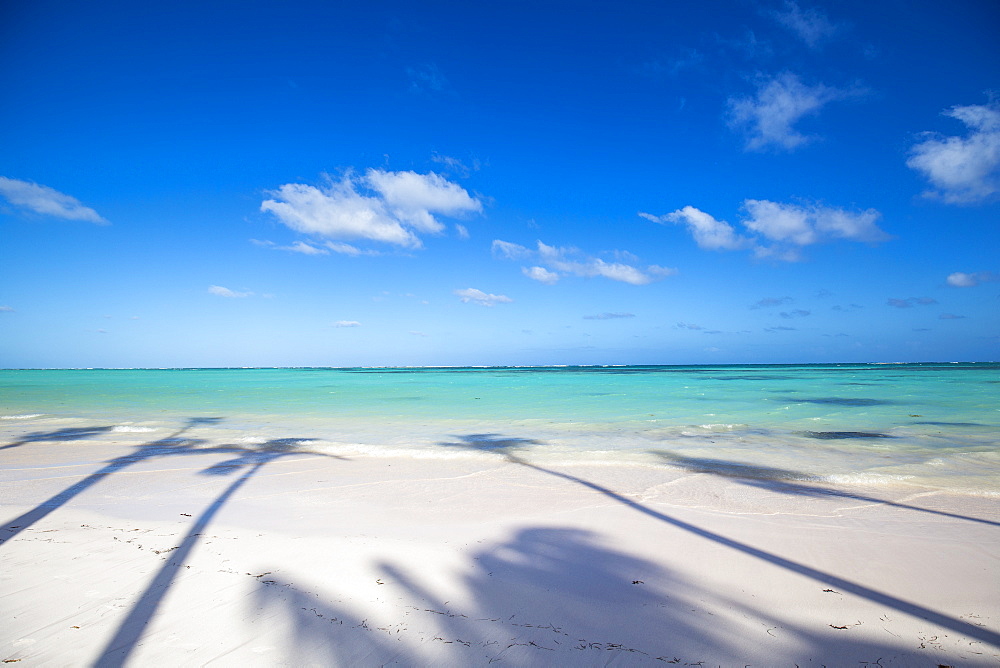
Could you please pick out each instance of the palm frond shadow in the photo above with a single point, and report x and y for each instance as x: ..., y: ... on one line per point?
x: 546, y: 596
x: 509, y: 447
x: 785, y: 481
x: 64, y: 435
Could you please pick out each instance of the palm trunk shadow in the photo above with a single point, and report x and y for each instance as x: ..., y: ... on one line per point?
x: 125, y: 640
x: 171, y: 445
x: 506, y: 446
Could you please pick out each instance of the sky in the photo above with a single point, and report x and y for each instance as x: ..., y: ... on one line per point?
x: 498, y: 183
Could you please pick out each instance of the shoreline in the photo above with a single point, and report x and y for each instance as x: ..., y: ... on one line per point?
x: 268, y: 556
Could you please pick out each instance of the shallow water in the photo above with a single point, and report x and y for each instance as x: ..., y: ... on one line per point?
x: 935, y: 425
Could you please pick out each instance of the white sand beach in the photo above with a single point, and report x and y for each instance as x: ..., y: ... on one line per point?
x: 270, y: 557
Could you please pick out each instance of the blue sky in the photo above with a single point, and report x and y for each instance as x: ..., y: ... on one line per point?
x: 388, y: 183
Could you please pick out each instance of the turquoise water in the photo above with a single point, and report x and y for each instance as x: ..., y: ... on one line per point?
x: 935, y: 425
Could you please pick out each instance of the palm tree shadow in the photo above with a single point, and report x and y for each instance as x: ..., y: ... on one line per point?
x: 573, y: 583
x: 547, y: 596
x: 496, y: 443
x: 174, y: 444
x: 509, y: 446
x: 784, y: 482
x: 62, y: 435
x: 126, y: 638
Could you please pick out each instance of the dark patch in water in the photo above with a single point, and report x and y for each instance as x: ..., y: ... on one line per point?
x: 750, y: 377
x: 842, y: 401
x: 729, y: 469
x: 838, y: 435
x: 951, y: 424
x: 860, y: 383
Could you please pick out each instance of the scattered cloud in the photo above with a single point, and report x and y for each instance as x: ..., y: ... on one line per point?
x: 6, y: 309
x: 768, y: 118
x: 770, y: 302
x: 305, y: 249
x: 220, y: 291
x: 910, y: 302
x: 960, y: 279
x: 796, y: 313
x: 963, y: 170
x: 708, y: 233
x: 315, y: 248
x: 555, y: 262
x: 347, y: 323
x: 455, y: 165
x: 479, y: 297
x: 46, y: 201
x: 381, y: 206
x: 810, y: 25
x: 541, y: 274
x: 427, y: 78
x: 780, y: 329
x: 804, y: 225
x: 348, y: 249
x: 608, y: 316
x: 462, y: 231
x: 950, y: 316
x: 849, y: 307
x: 687, y: 325
x: 777, y: 230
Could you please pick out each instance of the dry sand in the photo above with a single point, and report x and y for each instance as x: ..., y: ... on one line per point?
x: 188, y: 558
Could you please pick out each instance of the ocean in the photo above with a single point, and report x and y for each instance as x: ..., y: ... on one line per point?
x: 928, y: 425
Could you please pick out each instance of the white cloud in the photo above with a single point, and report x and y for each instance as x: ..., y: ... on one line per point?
x: 609, y: 316
x: 780, y: 222
x: 386, y: 207
x: 479, y: 297
x: 541, y: 274
x: 811, y: 25
x: 455, y: 165
x: 786, y: 226
x: 306, y: 249
x: 347, y: 323
x: 510, y: 251
x: 961, y: 279
x: 412, y: 197
x: 780, y: 102
x: 46, y: 201
x: 310, y: 249
x: 809, y: 224
x: 555, y: 262
x: 462, y: 231
x: 220, y: 291
x: 6, y: 309
x: 963, y: 169
x: 708, y: 232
